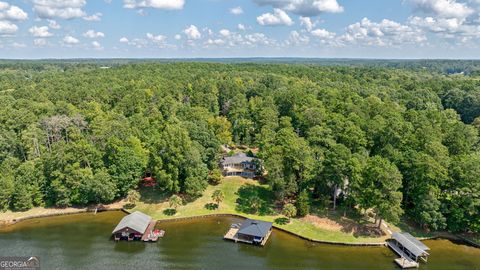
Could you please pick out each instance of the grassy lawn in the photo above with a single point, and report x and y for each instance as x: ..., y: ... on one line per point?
x: 238, y: 194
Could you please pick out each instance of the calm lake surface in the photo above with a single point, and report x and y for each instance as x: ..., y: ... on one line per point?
x: 82, y: 241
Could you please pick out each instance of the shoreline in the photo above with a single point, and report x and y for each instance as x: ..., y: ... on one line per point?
x: 366, y: 244
x: 442, y: 235
x: 52, y: 212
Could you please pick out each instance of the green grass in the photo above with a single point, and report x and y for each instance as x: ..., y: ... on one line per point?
x: 238, y: 194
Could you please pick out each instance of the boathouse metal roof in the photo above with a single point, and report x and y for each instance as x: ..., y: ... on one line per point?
x: 411, y: 243
x: 237, y: 159
x: 137, y: 221
x: 255, y: 228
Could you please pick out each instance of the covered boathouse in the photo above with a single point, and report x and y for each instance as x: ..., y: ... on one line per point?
x: 136, y: 226
x: 251, y: 231
x: 410, y: 249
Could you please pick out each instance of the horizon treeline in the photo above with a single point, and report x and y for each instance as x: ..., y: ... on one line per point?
x: 397, y: 141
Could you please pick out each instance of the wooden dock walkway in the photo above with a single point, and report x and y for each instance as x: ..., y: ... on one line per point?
x: 404, y: 261
x: 230, y: 235
x: 149, y: 236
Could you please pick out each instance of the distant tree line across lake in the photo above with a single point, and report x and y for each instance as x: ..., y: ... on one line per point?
x: 398, y: 141
x: 440, y: 66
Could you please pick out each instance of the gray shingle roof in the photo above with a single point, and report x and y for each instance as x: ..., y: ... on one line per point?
x: 137, y: 221
x: 416, y: 247
x: 255, y: 228
x: 237, y: 159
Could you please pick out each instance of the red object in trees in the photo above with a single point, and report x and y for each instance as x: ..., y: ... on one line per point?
x: 149, y: 182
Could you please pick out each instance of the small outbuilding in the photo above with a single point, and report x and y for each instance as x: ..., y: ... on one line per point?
x: 250, y: 231
x: 410, y: 249
x: 135, y: 226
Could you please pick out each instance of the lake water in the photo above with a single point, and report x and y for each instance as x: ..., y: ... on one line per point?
x: 83, y: 241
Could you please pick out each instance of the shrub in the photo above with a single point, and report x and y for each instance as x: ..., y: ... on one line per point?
x: 303, y: 204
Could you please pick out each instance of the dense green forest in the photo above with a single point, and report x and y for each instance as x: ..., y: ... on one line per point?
x: 400, y: 141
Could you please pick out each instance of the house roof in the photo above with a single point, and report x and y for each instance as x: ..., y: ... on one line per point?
x: 255, y: 228
x: 237, y: 158
x: 411, y: 243
x: 137, y: 221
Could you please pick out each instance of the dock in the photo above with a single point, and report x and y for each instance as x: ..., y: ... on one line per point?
x: 233, y: 236
x: 149, y: 236
x: 410, y: 250
x: 253, y: 232
x: 404, y: 261
x: 230, y: 235
x: 137, y: 226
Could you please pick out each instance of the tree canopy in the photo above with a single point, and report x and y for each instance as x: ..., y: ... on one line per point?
x: 395, y: 140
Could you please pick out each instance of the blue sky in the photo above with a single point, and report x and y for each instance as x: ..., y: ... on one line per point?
x: 240, y: 28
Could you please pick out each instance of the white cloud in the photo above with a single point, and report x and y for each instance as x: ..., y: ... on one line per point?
x: 93, y: 34
x: 307, y: 23
x: 96, y: 45
x: 12, y: 13
x: 384, y: 33
x: 47, y: 9
x: 241, y: 27
x: 159, y: 39
x: 9, y: 13
x: 224, y: 32
x: 279, y: 17
x: 123, y: 40
x: 159, y: 4
x: 53, y: 24
x: 192, y: 32
x: 94, y: 17
x: 139, y: 43
x: 295, y: 38
x: 142, y: 12
x: 322, y: 34
x: 40, y: 31
x: 256, y: 39
x: 448, y: 28
x: 217, y: 41
x: 444, y: 8
x: 236, y: 10
x: 40, y: 42
x: 7, y: 28
x: 450, y: 19
x: 208, y: 31
x: 178, y: 37
x: 19, y: 45
x: 69, y: 40
x: 435, y: 25
x: 304, y: 7
x: 228, y: 39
